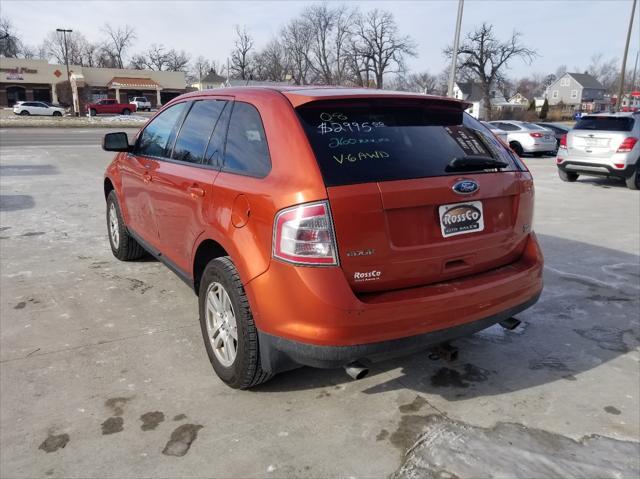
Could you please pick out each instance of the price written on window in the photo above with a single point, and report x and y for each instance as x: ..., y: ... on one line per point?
x: 337, y: 122
x: 359, y: 156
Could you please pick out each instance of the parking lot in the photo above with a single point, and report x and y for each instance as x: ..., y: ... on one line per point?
x: 104, y: 374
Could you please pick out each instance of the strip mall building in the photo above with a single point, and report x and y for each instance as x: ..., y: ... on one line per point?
x: 36, y: 80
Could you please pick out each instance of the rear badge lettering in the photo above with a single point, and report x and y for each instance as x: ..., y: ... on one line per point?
x: 461, y: 218
x: 367, y: 275
x: 361, y: 252
x: 465, y: 187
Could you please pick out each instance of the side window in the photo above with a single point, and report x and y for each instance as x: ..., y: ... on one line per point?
x: 155, y: 138
x: 196, y: 129
x: 246, y: 150
x: 213, y: 156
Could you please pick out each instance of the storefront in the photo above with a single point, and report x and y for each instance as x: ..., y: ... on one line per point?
x: 36, y: 80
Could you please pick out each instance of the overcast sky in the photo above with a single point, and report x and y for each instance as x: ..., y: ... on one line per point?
x: 565, y: 32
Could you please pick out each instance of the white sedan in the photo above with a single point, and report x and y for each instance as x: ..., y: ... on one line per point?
x: 37, y: 108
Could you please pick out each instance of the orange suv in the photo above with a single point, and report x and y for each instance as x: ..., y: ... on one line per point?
x: 326, y: 227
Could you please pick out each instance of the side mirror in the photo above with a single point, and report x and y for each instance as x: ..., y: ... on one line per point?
x: 116, y: 142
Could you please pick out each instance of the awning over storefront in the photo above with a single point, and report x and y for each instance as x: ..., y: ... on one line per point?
x: 133, y: 83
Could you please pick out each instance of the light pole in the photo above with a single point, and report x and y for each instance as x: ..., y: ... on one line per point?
x: 624, y: 58
x: 66, y: 61
x: 456, y: 44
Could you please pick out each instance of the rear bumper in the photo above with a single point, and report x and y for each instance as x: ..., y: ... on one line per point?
x: 540, y: 147
x: 596, y: 169
x: 315, y: 319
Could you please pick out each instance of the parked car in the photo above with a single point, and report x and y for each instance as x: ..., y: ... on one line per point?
x: 503, y: 135
x: 141, y: 103
x: 602, y: 145
x: 525, y: 137
x: 109, y: 105
x: 315, y: 229
x: 26, y: 108
x: 558, y: 131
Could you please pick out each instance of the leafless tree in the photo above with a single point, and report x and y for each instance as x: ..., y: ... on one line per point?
x: 119, y: 40
x: 10, y: 44
x: 241, y: 54
x: 487, y: 57
x: 200, y: 67
x: 381, y: 45
x: 176, y: 61
x: 296, y: 40
x: 605, y: 71
x: 271, y: 63
x: 54, y: 47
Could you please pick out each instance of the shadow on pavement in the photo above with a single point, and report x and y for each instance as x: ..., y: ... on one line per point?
x: 587, y: 315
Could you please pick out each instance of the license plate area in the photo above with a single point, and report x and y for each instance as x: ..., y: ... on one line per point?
x: 461, y: 218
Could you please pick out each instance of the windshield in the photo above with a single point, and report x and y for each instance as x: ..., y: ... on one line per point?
x: 361, y: 141
x: 605, y: 123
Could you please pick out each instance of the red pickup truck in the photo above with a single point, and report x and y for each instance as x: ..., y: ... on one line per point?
x: 108, y: 105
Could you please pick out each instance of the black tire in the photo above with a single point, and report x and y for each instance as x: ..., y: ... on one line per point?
x: 567, y: 176
x: 245, y: 371
x: 633, y: 182
x: 515, y: 146
x: 24, y: 113
x: 126, y: 111
x: 93, y: 112
x: 57, y: 113
x: 127, y: 248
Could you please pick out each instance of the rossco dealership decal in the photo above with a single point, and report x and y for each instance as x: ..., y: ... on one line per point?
x: 367, y: 275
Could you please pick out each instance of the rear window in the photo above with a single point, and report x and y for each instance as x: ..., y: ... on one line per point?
x: 532, y: 126
x: 605, y: 123
x: 362, y: 141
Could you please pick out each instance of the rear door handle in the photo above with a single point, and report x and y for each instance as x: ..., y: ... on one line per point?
x: 146, y: 177
x: 195, y: 191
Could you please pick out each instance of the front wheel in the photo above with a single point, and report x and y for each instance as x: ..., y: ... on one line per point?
x: 57, y: 113
x: 24, y: 113
x: 567, y: 176
x: 228, y: 329
x: 123, y: 246
x: 93, y: 112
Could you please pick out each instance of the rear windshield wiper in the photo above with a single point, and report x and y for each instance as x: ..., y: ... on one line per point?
x: 474, y: 163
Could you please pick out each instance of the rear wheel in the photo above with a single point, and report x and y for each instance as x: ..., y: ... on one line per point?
x: 126, y: 111
x: 633, y: 182
x: 123, y: 246
x: 567, y: 176
x: 515, y: 146
x: 228, y: 329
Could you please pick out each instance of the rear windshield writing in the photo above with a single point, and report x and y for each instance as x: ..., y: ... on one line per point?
x: 605, y: 123
x: 368, y: 141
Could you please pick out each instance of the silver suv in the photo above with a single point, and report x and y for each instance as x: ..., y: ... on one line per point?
x: 525, y: 137
x: 602, y: 145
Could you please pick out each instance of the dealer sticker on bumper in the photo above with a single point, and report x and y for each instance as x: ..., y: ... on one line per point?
x: 461, y: 218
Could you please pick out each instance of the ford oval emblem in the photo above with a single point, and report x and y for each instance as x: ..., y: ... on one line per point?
x: 465, y: 187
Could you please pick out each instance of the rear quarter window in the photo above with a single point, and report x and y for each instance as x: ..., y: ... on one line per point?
x: 361, y: 141
x: 246, y: 151
x: 605, y: 123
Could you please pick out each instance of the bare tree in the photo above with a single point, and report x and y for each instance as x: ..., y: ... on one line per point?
x: 176, y: 61
x: 271, y: 63
x: 10, y: 44
x: 119, y: 40
x: 487, y: 57
x: 199, y: 69
x: 240, y: 56
x: 605, y: 71
x: 296, y: 40
x: 381, y: 45
x: 54, y: 47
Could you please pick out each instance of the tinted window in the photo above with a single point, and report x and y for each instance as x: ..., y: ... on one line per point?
x: 196, y: 130
x: 366, y: 141
x: 155, y: 138
x: 606, y: 123
x: 507, y: 126
x: 213, y: 156
x: 246, y: 151
x: 531, y: 126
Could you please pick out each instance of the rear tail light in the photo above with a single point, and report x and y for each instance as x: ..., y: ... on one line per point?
x: 536, y: 135
x: 619, y: 165
x: 559, y: 160
x: 563, y: 142
x: 627, y: 145
x: 304, y: 235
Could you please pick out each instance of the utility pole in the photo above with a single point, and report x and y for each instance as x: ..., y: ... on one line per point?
x: 624, y: 58
x: 66, y: 61
x: 456, y: 45
x: 635, y: 70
